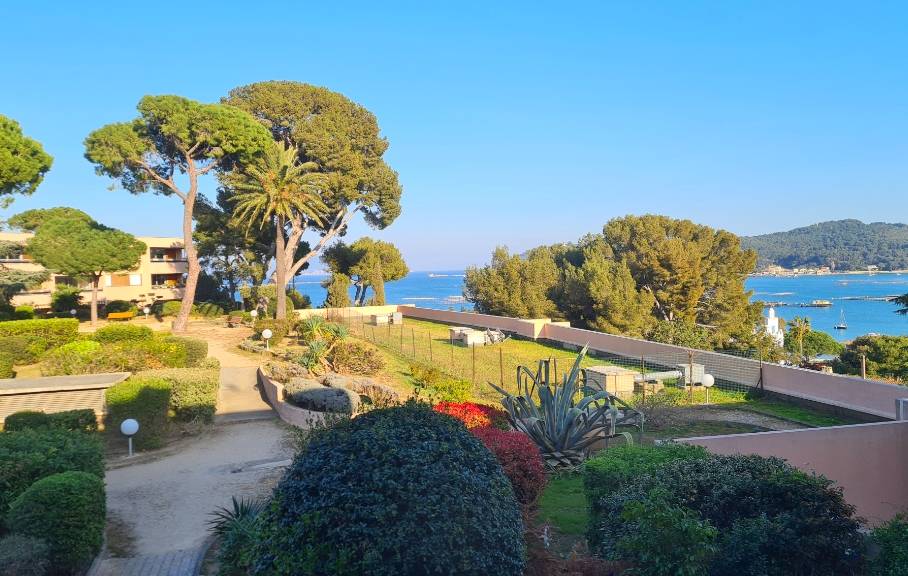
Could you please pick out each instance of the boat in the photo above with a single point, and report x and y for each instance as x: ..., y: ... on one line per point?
x: 842, y: 325
x: 820, y: 303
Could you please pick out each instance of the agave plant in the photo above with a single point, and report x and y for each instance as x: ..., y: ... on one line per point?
x: 563, y: 423
x: 239, y: 516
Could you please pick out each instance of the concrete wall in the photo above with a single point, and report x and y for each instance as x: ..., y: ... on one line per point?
x: 867, y: 460
x: 353, y: 314
x: 527, y: 328
x: 57, y: 393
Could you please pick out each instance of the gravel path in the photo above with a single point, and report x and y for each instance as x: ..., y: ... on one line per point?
x: 743, y: 417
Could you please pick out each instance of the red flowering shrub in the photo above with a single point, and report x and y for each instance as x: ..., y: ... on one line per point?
x: 474, y: 415
x: 519, y: 458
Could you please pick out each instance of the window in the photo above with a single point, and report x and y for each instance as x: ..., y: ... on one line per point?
x: 166, y: 254
x: 135, y: 279
x: 119, y: 280
x: 167, y: 280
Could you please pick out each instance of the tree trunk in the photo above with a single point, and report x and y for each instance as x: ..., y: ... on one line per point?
x: 192, y: 258
x: 360, y: 289
x: 280, y: 270
x: 94, y: 298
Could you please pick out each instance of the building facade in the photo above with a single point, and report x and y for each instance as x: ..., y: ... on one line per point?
x: 160, y: 275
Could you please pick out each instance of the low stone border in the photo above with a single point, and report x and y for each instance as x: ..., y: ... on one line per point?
x: 293, y: 415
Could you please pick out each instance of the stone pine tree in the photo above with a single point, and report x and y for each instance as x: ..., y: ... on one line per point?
x: 77, y: 246
x: 172, y: 144
x: 337, y: 140
x: 366, y: 263
x: 23, y: 162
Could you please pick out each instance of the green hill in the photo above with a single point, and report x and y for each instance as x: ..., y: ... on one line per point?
x: 841, y: 244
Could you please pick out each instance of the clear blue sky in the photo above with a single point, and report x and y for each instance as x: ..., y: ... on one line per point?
x: 510, y: 123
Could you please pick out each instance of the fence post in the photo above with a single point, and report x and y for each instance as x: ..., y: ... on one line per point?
x: 501, y: 367
x: 643, y: 371
x: 452, y: 354
x: 690, y: 376
x: 474, y: 365
x: 555, y: 369
x: 401, y: 339
x: 430, y: 348
x: 413, y: 339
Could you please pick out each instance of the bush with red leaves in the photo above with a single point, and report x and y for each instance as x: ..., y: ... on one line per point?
x: 519, y: 458
x: 474, y: 415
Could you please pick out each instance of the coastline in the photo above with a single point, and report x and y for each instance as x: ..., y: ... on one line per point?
x: 842, y: 273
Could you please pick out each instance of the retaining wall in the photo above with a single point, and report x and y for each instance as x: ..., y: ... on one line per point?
x: 57, y: 393
x: 293, y: 415
x: 866, y: 460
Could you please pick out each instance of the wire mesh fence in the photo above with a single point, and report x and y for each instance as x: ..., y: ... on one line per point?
x: 435, y: 344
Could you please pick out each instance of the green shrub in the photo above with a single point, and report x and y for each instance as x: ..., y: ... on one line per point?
x: 207, y: 309
x: 772, y: 519
x: 6, y: 366
x: 891, y: 539
x: 669, y: 540
x: 53, y: 332
x: 79, y: 357
x: 28, y: 455
x: 146, y: 400
x: 22, y: 349
x: 170, y: 308
x: 438, y: 386
x: 65, y: 298
x: 617, y: 467
x: 196, y: 349
x: 210, y: 363
x: 24, y: 312
x: 279, y: 329
x: 122, y: 333
x: 23, y: 556
x: 324, y: 399
x: 354, y: 357
x: 446, y: 506
x: 236, y: 528
x: 67, y: 511
x: 193, y: 392
x: 121, y: 306
x: 79, y: 420
x: 26, y: 419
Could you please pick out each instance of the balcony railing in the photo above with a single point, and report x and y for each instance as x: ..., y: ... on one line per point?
x: 168, y: 260
x: 171, y: 286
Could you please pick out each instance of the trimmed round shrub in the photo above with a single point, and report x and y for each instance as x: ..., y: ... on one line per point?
x: 475, y: 415
x: 401, y: 490
x: 26, y: 419
x: 22, y: 349
x: 123, y: 333
x: 196, y: 350
x: 24, y: 312
x: 120, y: 306
x: 23, y: 556
x: 170, y: 308
x: 79, y: 357
x: 354, y: 357
x: 147, y: 400
x: 67, y: 511
x: 27, y: 455
x: 193, y: 392
x: 279, y: 329
x: 520, y: 460
x: 772, y: 519
x: 6, y: 366
x: 52, y: 332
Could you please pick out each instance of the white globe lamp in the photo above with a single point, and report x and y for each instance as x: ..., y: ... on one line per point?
x: 708, y: 382
x: 266, y: 335
x: 128, y: 428
x: 253, y: 313
x: 146, y: 310
x: 73, y: 312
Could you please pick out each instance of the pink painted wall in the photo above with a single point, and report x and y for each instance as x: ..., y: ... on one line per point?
x: 868, y: 396
x: 867, y: 460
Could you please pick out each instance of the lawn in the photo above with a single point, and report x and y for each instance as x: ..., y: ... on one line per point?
x: 563, y: 504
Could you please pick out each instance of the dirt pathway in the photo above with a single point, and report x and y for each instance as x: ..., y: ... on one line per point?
x: 742, y: 417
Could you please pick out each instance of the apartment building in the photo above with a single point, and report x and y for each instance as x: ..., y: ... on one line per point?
x: 160, y: 275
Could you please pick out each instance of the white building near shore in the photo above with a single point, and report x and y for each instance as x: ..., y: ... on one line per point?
x: 774, y: 328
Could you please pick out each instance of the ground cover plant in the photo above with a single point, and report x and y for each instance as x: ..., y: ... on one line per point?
x: 409, y: 469
x: 475, y: 415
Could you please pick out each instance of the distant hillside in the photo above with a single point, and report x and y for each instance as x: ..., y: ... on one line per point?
x: 841, y: 244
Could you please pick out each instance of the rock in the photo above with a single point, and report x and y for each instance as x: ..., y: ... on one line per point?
x: 324, y: 399
x: 370, y: 391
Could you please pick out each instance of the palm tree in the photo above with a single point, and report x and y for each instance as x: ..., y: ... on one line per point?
x: 800, y: 326
x: 278, y: 189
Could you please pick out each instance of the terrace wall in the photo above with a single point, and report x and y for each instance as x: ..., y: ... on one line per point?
x: 866, y: 460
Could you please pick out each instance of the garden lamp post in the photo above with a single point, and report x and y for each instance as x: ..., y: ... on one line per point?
x: 129, y: 427
x: 73, y: 312
x: 708, y: 382
x: 254, y: 313
x: 146, y: 310
x: 266, y: 335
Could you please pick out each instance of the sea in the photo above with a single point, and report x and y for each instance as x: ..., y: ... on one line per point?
x: 858, y: 298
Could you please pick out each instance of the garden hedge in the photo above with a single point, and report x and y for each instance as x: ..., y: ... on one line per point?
x: 193, y: 391
x: 475, y: 415
x: 78, y: 420
x: 120, y: 306
x: 354, y: 357
x: 90, y: 357
x: 78, y: 357
x: 53, y: 332
x: 279, y: 329
x: 6, y: 366
x: 771, y: 519
x: 196, y: 349
x: 68, y: 512
x: 28, y: 455
x: 22, y: 349
x: 891, y: 539
x: 122, y: 333
x: 24, y: 312
x: 147, y: 400
x: 393, y: 491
